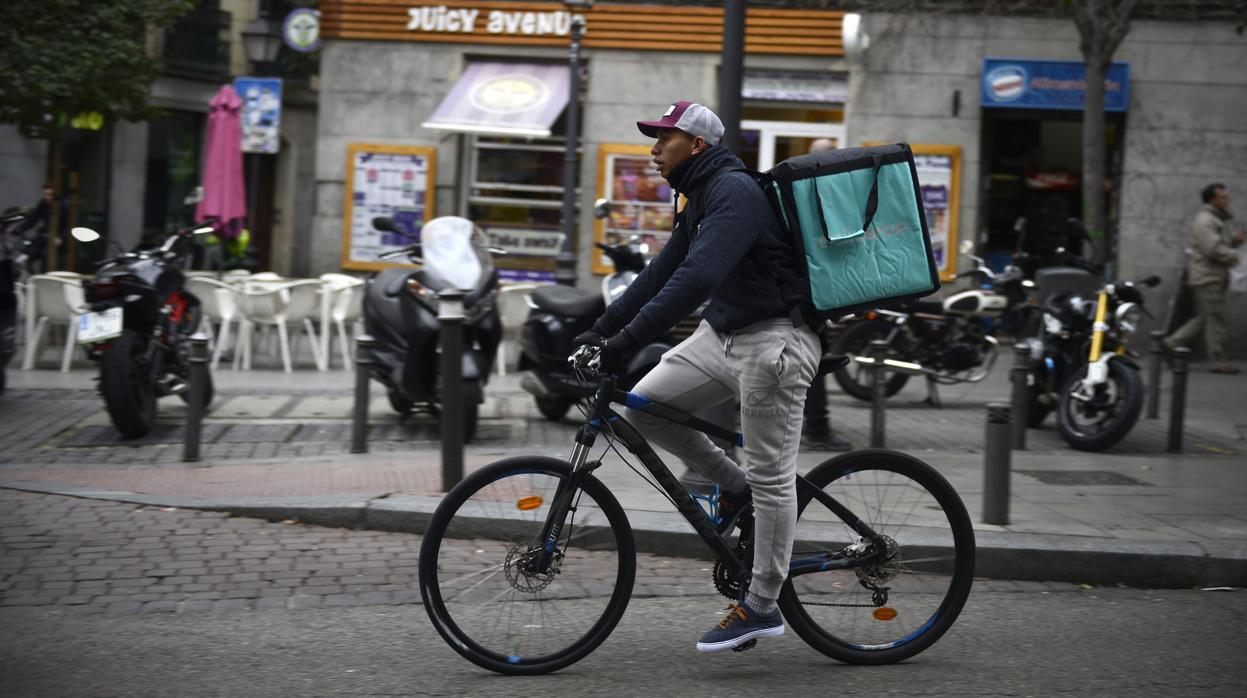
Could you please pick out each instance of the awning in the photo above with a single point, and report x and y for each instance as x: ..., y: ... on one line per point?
x: 508, y: 99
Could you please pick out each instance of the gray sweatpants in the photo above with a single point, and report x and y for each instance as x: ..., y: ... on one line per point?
x: 767, y: 367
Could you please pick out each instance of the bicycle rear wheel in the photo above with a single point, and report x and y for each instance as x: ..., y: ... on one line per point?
x: 477, y: 590
x: 891, y: 609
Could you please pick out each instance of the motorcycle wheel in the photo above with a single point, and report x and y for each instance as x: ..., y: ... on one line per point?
x: 554, y: 407
x: 853, y: 379
x: 209, y: 391
x: 126, y: 382
x: 1117, y: 406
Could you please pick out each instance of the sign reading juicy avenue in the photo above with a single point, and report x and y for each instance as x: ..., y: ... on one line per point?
x: 443, y: 19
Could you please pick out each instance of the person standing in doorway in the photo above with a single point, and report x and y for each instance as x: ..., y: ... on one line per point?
x: 1212, y: 255
x: 816, y: 432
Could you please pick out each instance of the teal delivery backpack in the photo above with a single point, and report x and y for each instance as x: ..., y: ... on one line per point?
x: 856, y: 217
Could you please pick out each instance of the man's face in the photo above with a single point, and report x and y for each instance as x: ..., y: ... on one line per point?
x: 674, y: 147
x: 47, y: 193
x: 1221, y: 199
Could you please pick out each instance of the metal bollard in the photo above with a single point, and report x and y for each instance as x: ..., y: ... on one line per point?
x: 1156, y: 353
x: 1019, y: 375
x: 996, y: 464
x: 878, y: 393
x: 1177, y: 408
x: 363, y: 374
x: 195, y: 408
x: 450, y: 315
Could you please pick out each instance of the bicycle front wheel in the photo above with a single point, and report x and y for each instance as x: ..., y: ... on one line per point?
x: 909, y: 594
x: 481, y: 594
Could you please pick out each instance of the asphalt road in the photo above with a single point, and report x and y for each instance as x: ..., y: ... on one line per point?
x: 1008, y: 642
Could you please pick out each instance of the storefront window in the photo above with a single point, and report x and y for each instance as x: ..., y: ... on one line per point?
x: 174, y: 144
x: 516, y: 196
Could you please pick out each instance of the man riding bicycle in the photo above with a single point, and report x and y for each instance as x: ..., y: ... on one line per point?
x: 751, y: 346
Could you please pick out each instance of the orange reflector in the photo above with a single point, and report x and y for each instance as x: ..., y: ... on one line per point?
x: 527, y: 503
x: 871, y: 315
x: 885, y: 613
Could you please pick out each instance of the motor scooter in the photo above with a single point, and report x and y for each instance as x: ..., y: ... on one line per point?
x: 559, y: 313
x: 400, y: 312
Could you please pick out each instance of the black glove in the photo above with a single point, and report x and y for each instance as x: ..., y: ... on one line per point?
x: 616, y: 352
x: 591, y: 337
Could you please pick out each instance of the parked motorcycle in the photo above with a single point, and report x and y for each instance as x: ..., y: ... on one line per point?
x: 139, y: 328
x: 12, y: 266
x: 951, y: 340
x: 400, y: 312
x: 560, y: 313
x: 1086, y: 372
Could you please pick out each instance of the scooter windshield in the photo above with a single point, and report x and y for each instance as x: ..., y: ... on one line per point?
x: 454, y: 249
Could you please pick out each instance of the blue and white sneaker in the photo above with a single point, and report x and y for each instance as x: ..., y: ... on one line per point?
x: 740, y: 626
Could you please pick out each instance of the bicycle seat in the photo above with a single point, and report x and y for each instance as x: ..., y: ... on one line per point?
x: 830, y: 363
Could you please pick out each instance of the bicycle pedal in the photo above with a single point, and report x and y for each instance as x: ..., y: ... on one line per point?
x: 747, y: 645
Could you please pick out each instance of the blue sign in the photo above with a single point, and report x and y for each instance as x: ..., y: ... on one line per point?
x: 1035, y: 84
x: 260, y: 114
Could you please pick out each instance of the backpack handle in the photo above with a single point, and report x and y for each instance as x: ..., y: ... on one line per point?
x: 868, y: 216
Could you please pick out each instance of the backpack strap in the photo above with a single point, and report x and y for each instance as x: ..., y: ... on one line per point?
x: 868, y: 215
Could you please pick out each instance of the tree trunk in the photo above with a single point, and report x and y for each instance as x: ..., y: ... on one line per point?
x: 1093, y: 165
x: 56, y: 150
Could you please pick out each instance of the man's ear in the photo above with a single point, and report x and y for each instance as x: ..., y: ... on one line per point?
x: 699, y: 144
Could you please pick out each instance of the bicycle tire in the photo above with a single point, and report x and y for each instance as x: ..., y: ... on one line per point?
x: 497, y: 512
x: 928, y: 574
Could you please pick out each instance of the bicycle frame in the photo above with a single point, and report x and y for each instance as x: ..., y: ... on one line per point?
x: 603, y: 417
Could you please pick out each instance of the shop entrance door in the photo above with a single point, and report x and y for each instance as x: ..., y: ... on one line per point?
x: 765, y: 143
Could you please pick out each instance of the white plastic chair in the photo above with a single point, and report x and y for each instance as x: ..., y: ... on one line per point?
x: 512, y: 311
x: 279, y: 305
x: 52, y: 300
x: 343, y: 304
x: 219, y: 303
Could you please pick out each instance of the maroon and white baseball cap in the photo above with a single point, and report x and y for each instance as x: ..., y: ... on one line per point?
x: 691, y: 118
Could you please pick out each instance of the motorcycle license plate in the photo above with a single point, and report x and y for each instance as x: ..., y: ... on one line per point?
x: 97, y: 327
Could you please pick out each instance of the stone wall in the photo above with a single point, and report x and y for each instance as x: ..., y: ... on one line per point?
x: 1185, y: 126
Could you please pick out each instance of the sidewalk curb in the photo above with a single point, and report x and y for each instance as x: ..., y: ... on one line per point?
x: 1017, y: 556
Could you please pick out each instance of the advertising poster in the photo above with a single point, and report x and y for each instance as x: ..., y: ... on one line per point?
x: 939, y: 174
x: 640, y: 201
x: 384, y: 180
x: 260, y: 114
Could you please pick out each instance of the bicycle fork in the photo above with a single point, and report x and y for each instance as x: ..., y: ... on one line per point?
x: 546, y: 541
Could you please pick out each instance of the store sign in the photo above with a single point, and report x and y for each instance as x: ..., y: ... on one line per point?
x: 443, y: 19
x: 1035, y: 84
x: 526, y: 241
x: 301, y: 30
x: 261, y: 114
x: 795, y: 86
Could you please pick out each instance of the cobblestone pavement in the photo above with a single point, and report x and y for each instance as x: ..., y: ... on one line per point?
x: 64, y: 555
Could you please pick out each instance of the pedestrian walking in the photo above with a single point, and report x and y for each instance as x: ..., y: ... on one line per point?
x: 1208, y: 274
x: 750, y: 346
x: 38, y: 221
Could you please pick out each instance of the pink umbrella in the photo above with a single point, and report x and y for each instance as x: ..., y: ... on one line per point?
x: 224, y: 196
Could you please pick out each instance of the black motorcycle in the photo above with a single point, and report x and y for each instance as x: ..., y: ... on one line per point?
x: 952, y: 341
x: 139, y: 328
x: 1086, y: 371
x: 12, y: 264
x: 400, y: 312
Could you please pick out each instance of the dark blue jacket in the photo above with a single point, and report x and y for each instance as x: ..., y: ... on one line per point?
x: 722, y: 247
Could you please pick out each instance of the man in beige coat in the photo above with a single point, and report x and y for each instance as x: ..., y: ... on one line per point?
x: 1212, y: 255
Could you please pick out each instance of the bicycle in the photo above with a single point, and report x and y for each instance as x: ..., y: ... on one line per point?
x: 553, y: 561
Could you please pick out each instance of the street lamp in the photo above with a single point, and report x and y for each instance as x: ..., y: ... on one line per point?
x: 261, y: 40
x: 565, y: 270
